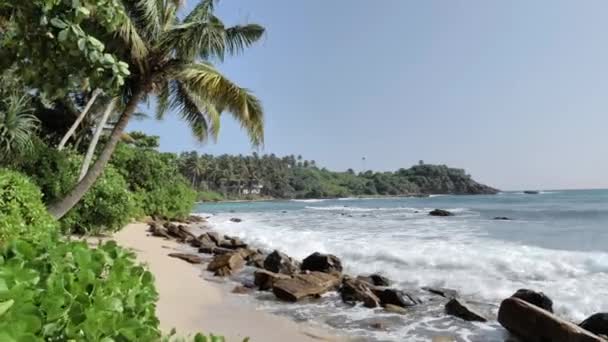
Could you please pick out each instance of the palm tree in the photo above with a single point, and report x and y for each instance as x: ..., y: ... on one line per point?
x: 17, y: 127
x: 169, y: 58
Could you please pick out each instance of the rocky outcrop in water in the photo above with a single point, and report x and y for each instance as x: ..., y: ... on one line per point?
x: 440, y: 212
x: 375, y: 280
x: 443, y: 292
x: 278, y: 262
x: 396, y: 297
x: 354, y: 290
x: 312, y: 284
x: 596, y: 323
x: 226, y: 264
x: 458, y: 308
x: 536, y: 298
x: 534, y: 324
x: 322, y: 263
x: 265, y: 280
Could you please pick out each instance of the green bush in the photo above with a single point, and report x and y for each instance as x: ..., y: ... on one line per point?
x: 107, y: 206
x: 22, y: 213
x: 153, y: 177
x: 209, y: 196
x: 66, y: 291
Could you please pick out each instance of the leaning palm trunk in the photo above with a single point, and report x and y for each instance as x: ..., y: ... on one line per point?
x: 76, y: 123
x: 61, y: 207
x: 95, y: 140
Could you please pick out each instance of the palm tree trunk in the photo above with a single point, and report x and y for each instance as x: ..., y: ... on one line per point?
x: 79, y: 119
x: 95, y: 140
x: 61, y: 207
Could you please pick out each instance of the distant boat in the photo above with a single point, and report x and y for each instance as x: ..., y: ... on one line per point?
x: 531, y: 192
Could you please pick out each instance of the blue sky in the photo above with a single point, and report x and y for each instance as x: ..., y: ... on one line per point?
x: 515, y: 92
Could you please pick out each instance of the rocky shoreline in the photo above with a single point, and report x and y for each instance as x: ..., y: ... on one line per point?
x: 527, y: 314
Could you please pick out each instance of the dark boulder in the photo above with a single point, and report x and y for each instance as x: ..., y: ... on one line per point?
x: 396, y: 297
x: 215, y: 250
x: 531, y: 192
x: 354, y: 290
x: 327, y: 263
x: 191, y: 258
x: 502, y: 218
x: 596, y: 323
x: 180, y: 232
x: 236, y: 220
x: 536, y: 298
x: 232, y: 243
x: 157, y: 230
x: 214, y: 237
x: 459, y: 309
x: 443, y: 292
x: 312, y: 284
x: 533, y: 324
x: 278, y: 262
x: 440, y: 212
x: 375, y: 280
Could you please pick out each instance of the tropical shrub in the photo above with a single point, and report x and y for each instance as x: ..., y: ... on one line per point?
x: 209, y: 196
x: 22, y: 213
x: 108, y: 206
x: 66, y: 291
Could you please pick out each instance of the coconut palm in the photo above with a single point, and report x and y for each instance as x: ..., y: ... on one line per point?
x: 17, y: 126
x: 169, y: 58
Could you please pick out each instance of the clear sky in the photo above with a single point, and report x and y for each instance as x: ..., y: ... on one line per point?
x: 515, y: 92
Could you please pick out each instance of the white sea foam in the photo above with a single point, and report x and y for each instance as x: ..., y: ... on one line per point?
x: 415, y: 250
x: 312, y: 200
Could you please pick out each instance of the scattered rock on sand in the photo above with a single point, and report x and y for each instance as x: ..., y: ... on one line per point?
x: 191, y: 258
x: 312, y: 284
x: 181, y: 232
x: 327, y: 263
x: 375, y: 280
x: 395, y: 309
x: 443, y: 292
x: 440, y: 212
x: 458, y: 308
x: 536, y: 298
x: 157, y: 230
x: 396, y: 297
x: 596, y: 323
x: 226, y: 264
x: 531, y: 323
x: 264, y: 279
x: 278, y: 262
x: 354, y: 290
x: 214, y: 237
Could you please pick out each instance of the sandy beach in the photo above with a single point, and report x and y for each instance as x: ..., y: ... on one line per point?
x: 191, y: 304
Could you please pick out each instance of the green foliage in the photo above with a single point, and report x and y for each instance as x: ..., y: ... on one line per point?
x: 154, y: 179
x: 64, y: 291
x: 22, y: 213
x: 241, y: 177
x: 209, y: 196
x: 108, y: 206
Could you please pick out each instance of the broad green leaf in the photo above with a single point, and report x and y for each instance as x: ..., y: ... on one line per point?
x: 4, y: 306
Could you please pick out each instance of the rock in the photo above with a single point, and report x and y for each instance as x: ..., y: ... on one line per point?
x: 443, y: 292
x: 214, y: 237
x: 203, y: 241
x: 531, y: 192
x: 536, y: 298
x: 239, y: 289
x: 264, y: 279
x: 236, y: 220
x: 534, y: 324
x: 226, y: 264
x: 354, y: 290
x: 215, y: 250
x: 327, y: 263
x: 158, y: 230
x: 191, y: 258
x: 312, y: 284
x: 375, y: 280
x: 278, y: 262
x: 459, y: 309
x: 502, y: 218
x: 395, y: 297
x: 232, y: 243
x: 377, y: 325
x: 256, y: 260
x: 395, y: 309
x: 245, y: 253
x: 195, y: 219
x: 181, y: 232
x: 440, y: 212
x: 444, y: 339
x: 596, y: 323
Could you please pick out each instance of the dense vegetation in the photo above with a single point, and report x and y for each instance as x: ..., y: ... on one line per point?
x: 292, y: 177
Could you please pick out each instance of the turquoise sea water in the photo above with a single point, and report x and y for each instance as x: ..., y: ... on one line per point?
x: 555, y: 242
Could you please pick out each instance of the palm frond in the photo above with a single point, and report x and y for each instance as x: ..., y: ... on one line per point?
x: 149, y: 17
x: 163, y: 101
x: 210, y: 86
x: 202, y: 117
x: 17, y: 126
x: 201, y: 11
x: 239, y: 37
x: 129, y: 34
x: 203, y: 39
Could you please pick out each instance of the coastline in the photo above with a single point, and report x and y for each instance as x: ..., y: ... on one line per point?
x: 190, y: 303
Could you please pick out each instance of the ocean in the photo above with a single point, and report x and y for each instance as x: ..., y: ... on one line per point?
x: 556, y: 242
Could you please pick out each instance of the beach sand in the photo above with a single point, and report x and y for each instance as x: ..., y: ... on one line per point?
x: 192, y: 304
